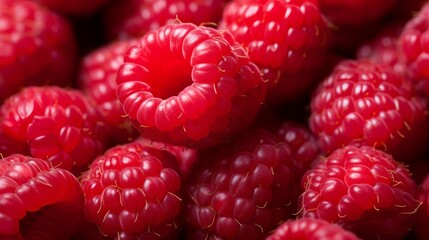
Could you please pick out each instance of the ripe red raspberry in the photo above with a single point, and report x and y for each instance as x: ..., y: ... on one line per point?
x: 75, y: 7
x: 37, y: 47
x: 133, y: 18
x: 54, y: 124
x: 362, y: 189
x: 38, y: 201
x: 97, y: 78
x: 132, y: 192
x: 414, y: 49
x: 422, y: 216
x: 286, y: 39
x: 189, y: 85
x: 365, y: 103
x: 241, y: 190
x: 310, y: 228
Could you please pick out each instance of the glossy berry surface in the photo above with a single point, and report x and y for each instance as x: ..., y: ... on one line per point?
x: 54, y: 124
x: 37, y: 47
x: 38, y: 201
x: 213, y: 92
x: 133, y: 191
x: 362, y: 189
x: 242, y: 190
x: 310, y: 229
x: 366, y: 103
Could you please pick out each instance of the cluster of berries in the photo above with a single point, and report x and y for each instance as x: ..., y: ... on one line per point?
x: 214, y: 119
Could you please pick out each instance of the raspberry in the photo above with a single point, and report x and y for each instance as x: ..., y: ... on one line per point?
x: 37, y: 47
x: 133, y: 192
x: 413, y: 50
x: 75, y: 7
x: 362, y: 189
x: 420, y: 228
x: 286, y: 39
x: 55, y: 124
x: 38, y: 201
x: 133, y: 18
x: 241, y: 190
x: 189, y: 85
x: 310, y: 228
x: 364, y: 103
x: 97, y: 78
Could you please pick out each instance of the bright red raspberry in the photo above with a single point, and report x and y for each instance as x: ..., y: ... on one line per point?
x: 54, y: 124
x: 38, y: 201
x: 420, y: 228
x: 37, y: 47
x: 97, y: 78
x: 310, y: 229
x: 344, y: 13
x: 414, y: 49
x: 189, y: 85
x: 362, y: 189
x: 365, y: 103
x: 286, y: 39
x: 75, y: 7
x: 133, y: 18
x: 241, y: 190
x: 132, y: 191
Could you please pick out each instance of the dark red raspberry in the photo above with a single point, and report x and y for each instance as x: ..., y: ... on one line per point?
x: 310, y: 229
x: 97, y: 78
x: 54, y: 124
x: 414, y: 49
x: 362, y: 189
x: 38, y: 201
x: 37, y: 47
x: 420, y: 228
x: 241, y: 190
x: 189, y: 85
x: 133, y: 18
x: 364, y: 103
x: 133, y: 192
x: 75, y: 7
x: 286, y: 39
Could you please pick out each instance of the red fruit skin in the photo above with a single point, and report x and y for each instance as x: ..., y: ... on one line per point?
x: 38, y: 201
x: 55, y: 124
x: 132, y: 191
x: 133, y: 18
x: 422, y: 216
x: 365, y: 103
x: 310, y: 229
x: 37, y: 47
x: 241, y: 190
x: 213, y: 93
x: 97, y: 78
x: 286, y: 39
x: 362, y: 189
x: 73, y: 8
x: 413, y: 49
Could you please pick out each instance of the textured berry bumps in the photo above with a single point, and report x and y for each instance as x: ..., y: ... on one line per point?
x: 189, y: 85
x: 365, y: 103
x: 133, y: 18
x: 38, y: 201
x: 37, y: 47
x: 54, y: 124
x: 286, y: 39
x: 310, y: 229
x: 362, y: 189
x: 97, y: 78
x: 132, y: 192
x: 241, y: 190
